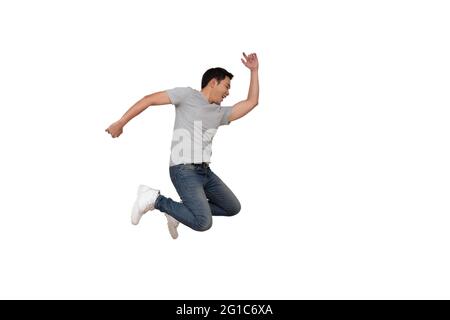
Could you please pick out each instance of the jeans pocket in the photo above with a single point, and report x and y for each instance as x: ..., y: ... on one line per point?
x: 178, y: 172
x: 174, y: 171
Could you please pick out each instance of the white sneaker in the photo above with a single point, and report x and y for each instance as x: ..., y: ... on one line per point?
x: 145, y: 201
x: 172, y: 224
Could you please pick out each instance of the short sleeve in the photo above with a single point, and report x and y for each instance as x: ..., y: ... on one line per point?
x: 177, y: 95
x: 226, y: 112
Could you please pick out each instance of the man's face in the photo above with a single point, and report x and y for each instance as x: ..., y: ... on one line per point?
x: 221, y: 90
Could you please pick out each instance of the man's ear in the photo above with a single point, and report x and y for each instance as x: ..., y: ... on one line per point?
x: 213, y: 83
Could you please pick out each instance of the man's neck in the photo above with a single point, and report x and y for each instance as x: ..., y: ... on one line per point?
x: 206, y: 93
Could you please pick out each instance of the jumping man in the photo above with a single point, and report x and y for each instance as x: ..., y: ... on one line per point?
x: 198, y: 116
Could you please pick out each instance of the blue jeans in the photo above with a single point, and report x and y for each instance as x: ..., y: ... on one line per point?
x: 203, y: 195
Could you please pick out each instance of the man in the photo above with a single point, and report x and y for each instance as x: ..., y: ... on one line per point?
x: 198, y: 115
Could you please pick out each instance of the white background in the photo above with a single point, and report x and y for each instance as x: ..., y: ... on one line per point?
x: 342, y: 170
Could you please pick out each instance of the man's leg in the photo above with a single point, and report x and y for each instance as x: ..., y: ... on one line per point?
x: 194, y: 210
x: 222, y: 200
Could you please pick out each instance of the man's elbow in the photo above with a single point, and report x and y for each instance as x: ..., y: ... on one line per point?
x: 147, y: 100
x: 254, y: 103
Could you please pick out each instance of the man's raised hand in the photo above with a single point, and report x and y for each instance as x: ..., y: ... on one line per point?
x: 250, y: 61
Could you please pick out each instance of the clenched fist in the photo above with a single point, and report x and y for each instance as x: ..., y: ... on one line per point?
x: 115, y: 129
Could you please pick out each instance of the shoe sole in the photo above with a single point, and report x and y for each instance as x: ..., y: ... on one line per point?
x: 173, y: 231
x: 134, y: 213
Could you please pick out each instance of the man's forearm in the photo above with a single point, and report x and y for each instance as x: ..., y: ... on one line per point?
x: 253, y: 91
x: 241, y: 108
x: 136, y: 109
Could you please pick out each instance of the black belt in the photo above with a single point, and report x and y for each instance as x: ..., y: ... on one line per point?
x: 203, y: 164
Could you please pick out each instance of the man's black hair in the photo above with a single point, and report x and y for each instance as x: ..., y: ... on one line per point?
x: 215, y: 73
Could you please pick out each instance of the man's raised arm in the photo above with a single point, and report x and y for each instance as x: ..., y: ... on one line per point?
x: 154, y: 99
x: 240, y: 109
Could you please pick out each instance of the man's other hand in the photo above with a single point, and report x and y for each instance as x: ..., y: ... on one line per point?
x: 115, y: 129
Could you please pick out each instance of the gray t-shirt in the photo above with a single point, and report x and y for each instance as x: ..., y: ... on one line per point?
x: 196, y: 123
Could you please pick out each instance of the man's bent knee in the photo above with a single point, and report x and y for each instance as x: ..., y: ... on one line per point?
x: 235, y: 209
x: 203, y: 224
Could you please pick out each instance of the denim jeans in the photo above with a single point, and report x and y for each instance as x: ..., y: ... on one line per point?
x: 203, y: 195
